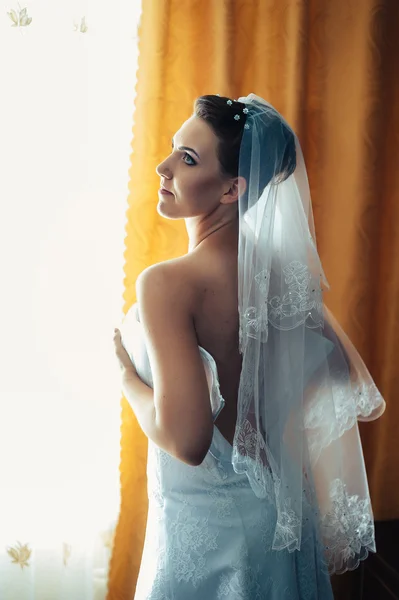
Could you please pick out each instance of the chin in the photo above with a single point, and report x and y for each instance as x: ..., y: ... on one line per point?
x: 166, y: 211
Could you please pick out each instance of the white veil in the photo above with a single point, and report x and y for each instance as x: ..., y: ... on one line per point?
x: 303, y: 385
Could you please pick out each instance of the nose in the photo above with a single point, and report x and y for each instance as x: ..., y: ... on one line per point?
x: 163, y: 171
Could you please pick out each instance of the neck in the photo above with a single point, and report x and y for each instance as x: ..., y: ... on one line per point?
x: 202, y: 228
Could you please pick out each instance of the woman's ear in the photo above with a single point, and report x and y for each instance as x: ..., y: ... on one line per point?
x: 237, y: 187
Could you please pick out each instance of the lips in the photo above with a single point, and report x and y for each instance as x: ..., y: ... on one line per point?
x: 164, y: 189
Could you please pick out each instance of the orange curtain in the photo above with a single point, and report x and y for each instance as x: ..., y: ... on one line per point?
x: 332, y: 69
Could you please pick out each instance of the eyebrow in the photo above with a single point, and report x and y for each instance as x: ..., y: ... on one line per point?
x: 185, y: 148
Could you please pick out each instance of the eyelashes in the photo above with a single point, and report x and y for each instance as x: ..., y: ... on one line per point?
x: 191, y: 158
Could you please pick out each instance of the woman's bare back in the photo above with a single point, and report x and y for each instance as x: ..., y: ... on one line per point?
x: 213, y: 272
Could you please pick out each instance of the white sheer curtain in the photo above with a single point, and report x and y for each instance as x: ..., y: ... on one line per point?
x: 66, y: 107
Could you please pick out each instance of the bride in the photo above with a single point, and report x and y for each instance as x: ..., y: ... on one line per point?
x: 248, y: 390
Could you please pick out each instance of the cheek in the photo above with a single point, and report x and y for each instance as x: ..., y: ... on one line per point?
x: 198, y: 191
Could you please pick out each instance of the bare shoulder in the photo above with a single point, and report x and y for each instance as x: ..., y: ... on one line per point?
x: 182, y: 282
x: 172, y: 281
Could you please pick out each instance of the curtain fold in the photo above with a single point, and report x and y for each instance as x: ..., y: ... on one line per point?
x: 332, y: 70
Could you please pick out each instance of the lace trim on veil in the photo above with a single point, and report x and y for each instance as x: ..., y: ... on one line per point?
x: 347, y: 529
x: 346, y: 522
x: 350, y: 405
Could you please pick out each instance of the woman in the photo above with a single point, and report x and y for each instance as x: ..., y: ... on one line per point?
x: 250, y: 400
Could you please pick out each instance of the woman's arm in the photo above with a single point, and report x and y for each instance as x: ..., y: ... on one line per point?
x: 141, y: 398
x: 177, y: 414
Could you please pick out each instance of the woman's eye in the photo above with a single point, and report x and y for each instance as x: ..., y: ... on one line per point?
x: 190, y: 157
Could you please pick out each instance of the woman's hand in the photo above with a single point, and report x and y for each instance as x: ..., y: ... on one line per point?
x: 139, y: 395
x: 125, y: 364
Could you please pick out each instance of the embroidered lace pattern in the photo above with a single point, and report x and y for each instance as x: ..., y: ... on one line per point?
x: 239, y: 581
x: 287, y: 528
x: 256, y: 321
x: 302, y: 299
x: 294, y: 307
x: 193, y: 536
x: 253, y: 459
x: 192, y: 540
x: 347, y: 529
x: 326, y: 419
x: 188, y: 553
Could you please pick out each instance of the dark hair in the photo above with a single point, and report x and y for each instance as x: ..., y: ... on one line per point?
x: 277, y: 142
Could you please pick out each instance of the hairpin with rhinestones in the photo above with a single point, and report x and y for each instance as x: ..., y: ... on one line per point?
x: 237, y: 117
x: 245, y: 111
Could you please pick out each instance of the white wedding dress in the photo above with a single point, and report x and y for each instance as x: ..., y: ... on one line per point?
x: 208, y: 536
